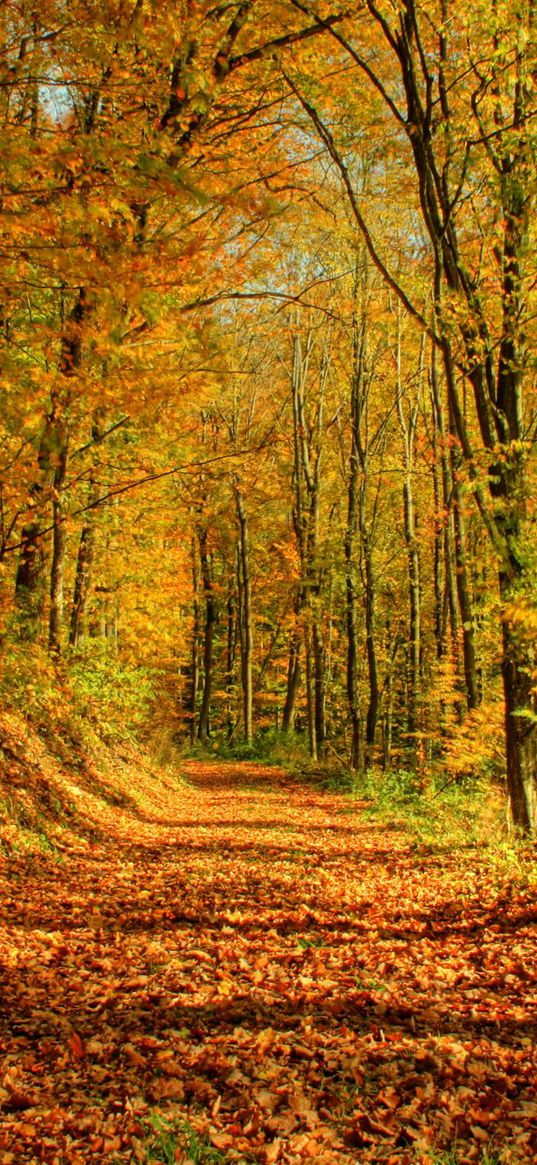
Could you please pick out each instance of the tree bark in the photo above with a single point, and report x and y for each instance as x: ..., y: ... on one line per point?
x: 30, y: 582
x: 208, y: 638
x: 247, y: 638
x: 463, y: 585
x: 310, y: 698
x: 407, y: 424
x: 59, y: 543
x: 318, y: 653
x: 52, y: 460
x: 293, y: 681
x: 86, y: 550
x: 84, y: 563
x: 446, y: 614
x: 307, y: 443
x: 518, y: 665
x: 371, y: 651
x: 392, y: 644
x: 231, y: 611
x: 194, y: 650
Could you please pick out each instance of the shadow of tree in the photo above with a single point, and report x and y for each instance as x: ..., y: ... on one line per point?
x: 227, y: 936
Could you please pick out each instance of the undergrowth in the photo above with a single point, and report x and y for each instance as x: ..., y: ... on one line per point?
x: 169, y: 1140
x: 71, y: 732
x: 438, y: 815
x: 452, y: 1157
x: 88, y: 690
x: 268, y: 747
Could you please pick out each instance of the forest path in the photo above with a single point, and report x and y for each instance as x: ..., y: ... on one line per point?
x: 252, y: 971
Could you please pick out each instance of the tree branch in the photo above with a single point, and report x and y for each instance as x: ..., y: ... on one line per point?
x: 326, y: 137
x: 282, y: 42
x: 130, y: 485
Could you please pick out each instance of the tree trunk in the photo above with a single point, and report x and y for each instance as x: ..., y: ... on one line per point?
x: 354, y: 501
x: 408, y: 429
x: 371, y: 651
x: 318, y: 653
x: 194, y: 651
x: 293, y: 682
x: 449, y: 605
x: 30, y: 582
x: 393, y: 643
x: 310, y: 699
x: 307, y: 440
x: 86, y: 549
x: 518, y: 666
x: 439, y: 590
x: 463, y: 587
x: 357, y: 749
x: 414, y: 596
x: 208, y: 639
x: 464, y: 593
x: 230, y: 657
x: 84, y: 562
x: 247, y: 639
x: 52, y: 459
x: 59, y: 543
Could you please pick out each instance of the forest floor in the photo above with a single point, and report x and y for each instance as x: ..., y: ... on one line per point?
x: 244, y: 969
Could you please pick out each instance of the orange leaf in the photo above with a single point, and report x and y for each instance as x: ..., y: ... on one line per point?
x: 76, y: 1046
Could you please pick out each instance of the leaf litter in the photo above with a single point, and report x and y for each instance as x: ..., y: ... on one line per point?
x: 244, y: 959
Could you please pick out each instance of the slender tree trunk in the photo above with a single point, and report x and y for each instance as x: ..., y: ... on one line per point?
x: 112, y: 622
x: 30, y: 582
x: 310, y: 698
x: 318, y: 655
x: 194, y: 651
x: 463, y: 589
x: 449, y: 604
x: 440, y: 636
x: 306, y: 472
x: 357, y: 757
x: 52, y: 458
x: 230, y: 655
x: 393, y: 643
x: 84, y: 563
x: 57, y: 455
x: 247, y: 639
x: 464, y: 593
x: 208, y: 639
x: 387, y: 725
x: 293, y: 681
x: 86, y: 550
x: 408, y: 428
x: 414, y: 595
x: 518, y: 666
x: 59, y: 543
x: 357, y: 750
x: 371, y: 651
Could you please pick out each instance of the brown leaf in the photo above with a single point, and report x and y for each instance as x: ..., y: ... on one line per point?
x: 18, y: 1102
x: 76, y: 1046
x: 134, y: 1056
x: 273, y: 1152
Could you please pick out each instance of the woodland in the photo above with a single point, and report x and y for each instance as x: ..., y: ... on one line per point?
x: 268, y: 580
x: 268, y: 378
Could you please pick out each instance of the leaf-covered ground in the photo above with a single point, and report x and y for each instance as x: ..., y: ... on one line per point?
x: 246, y: 970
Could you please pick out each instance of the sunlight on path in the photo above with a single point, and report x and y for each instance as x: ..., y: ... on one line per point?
x: 253, y: 958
